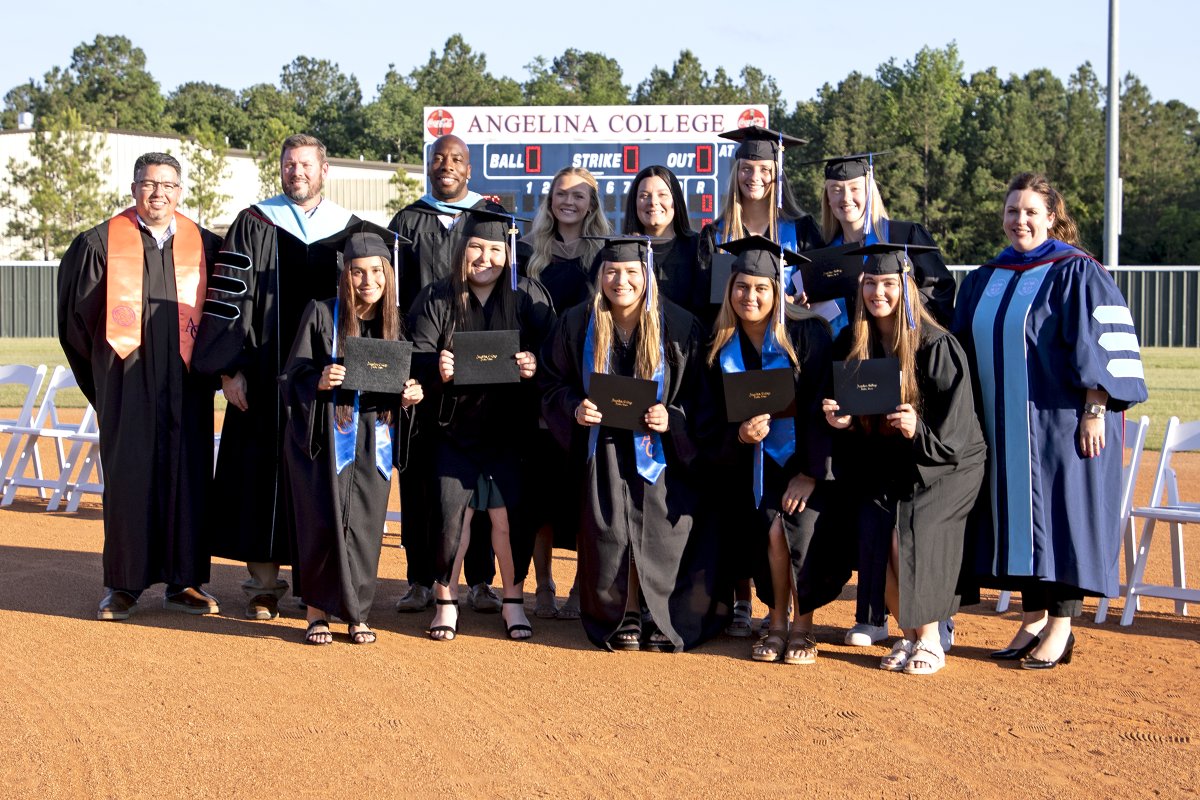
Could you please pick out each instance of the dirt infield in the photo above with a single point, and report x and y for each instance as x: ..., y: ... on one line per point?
x: 168, y: 705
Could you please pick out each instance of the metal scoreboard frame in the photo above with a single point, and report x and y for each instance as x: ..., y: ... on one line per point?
x: 516, y: 150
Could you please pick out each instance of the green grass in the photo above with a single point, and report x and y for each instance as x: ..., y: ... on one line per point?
x: 1173, y: 374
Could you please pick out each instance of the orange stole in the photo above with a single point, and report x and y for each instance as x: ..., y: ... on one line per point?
x: 126, y: 263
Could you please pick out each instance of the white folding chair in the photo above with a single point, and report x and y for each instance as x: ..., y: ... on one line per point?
x: 45, y: 425
x: 1134, y: 440
x: 1179, y: 437
x: 82, y: 462
x: 31, y: 378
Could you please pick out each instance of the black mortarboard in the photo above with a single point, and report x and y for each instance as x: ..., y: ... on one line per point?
x: 844, y: 168
x: 887, y: 258
x: 363, y: 239
x: 760, y: 144
x: 760, y: 257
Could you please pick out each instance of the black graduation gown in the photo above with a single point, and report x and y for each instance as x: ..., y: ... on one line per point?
x: 338, y: 519
x: 480, y: 430
x: 155, y: 416
x: 624, y: 517
x: 569, y: 281
x: 252, y: 330
x: 925, y: 487
x: 428, y: 258
x: 676, y: 268
x: 819, y: 571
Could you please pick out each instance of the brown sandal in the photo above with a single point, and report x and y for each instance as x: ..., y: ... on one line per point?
x: 801, y: 649
x: 770, y: 647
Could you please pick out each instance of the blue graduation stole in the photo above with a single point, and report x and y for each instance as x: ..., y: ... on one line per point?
x: 345, y: 439
x: 780, y: 443
x: 452, y: 209
x: 648, y: 447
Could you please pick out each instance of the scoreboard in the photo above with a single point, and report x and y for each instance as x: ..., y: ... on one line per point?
x: 516, y: 150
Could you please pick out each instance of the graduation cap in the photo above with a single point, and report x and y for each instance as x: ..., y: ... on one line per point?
x: 630, y: 247
x: 494, y: 226
x: 363, y: 239
x: 759, y: 256
x: 764, y: 144
x: 886, y: 258
x: 846, y: 168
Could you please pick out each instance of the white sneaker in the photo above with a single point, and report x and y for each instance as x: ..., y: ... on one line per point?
x: 946, y: 634
x: 864, y: 635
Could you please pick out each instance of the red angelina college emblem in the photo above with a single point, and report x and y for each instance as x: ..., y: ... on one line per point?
x: 124, y: 316
x: 751, y: 117
x: 439, y: 122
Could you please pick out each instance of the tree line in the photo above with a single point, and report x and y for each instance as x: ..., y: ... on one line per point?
x: 954, y: 139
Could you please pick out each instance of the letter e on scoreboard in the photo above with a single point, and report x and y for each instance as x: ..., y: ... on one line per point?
x: 533, y: 159
x: 629, y: 159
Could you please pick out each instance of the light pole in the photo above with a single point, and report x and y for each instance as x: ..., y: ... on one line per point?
x: 1112, y: 172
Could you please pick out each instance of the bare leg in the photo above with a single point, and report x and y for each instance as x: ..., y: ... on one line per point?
x: 543, y: 557
x: 513, y: 613
x: 1032, y: 624
x: 780, y: 560
x: 322, y: 635
x: 1055, y: 633
x: 447, y: 613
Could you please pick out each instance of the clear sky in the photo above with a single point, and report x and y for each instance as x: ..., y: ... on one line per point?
x: 800, y: 43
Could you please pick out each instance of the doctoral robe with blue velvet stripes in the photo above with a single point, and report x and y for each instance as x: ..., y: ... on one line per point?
x: 1041, y: 329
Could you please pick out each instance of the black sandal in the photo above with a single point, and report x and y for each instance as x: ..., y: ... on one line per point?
x: 629, y: 635
x: 316, y: 628
x: 520, y: 626
x: 364, y: 631
x: 452, y: 630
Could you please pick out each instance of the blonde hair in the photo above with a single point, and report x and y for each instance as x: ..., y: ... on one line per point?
x: 831, y: 228
x: 649, y: 327
x: 541, y: 234
x: 731, y: 208
x: 728, y: 321
x: 905, y: 341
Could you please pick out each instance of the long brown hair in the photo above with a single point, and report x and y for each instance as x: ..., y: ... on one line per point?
x: 903, y: 345
x: 391, y: 324
x: 728, y: 322
x: 465, y: 316
x: 831, y: 227
x: 1064, y: 228
x: 649, y: 329
x: 541, y: 233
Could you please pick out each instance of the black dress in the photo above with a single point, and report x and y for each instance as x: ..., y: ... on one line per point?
x: 479, y: 430
x: 819, y: 568
x: 338, y: 519
x: 924, y: 487
x: 624, y: 518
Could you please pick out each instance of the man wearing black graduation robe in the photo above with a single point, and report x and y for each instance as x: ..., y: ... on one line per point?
x: 155, y: 414
x: 431, y: 225
x: 268, y: 271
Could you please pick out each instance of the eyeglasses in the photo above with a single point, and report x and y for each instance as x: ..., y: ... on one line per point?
x: 149, y: 187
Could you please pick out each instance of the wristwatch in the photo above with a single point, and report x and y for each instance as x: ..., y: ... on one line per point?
x: 1094, y: 409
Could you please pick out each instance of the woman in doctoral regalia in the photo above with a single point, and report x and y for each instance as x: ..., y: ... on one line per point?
x: 773, y: 472
x: 912, y: 474
x: 1054, y: 350
x: 560, y: 253
x: 341, y: 445
x: 638, y: 540
x: 482, y: 429
x: 757, y: 201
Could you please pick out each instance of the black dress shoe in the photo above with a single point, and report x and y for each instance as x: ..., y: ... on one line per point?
x: 116, y: 605
x: 1029, y: 662
x: 1016, y: 653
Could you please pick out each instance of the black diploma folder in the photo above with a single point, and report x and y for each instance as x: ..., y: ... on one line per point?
x: 831, y: 274
x: 867, y: 387
x: 758, y: 391
x: 485, y: 357
x: 623, y: 402
x: 720, y: 268
x: 376, y: 365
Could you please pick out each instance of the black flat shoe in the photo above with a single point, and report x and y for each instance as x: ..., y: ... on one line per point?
x: 1016, y: 653
x: 1029, y: 662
